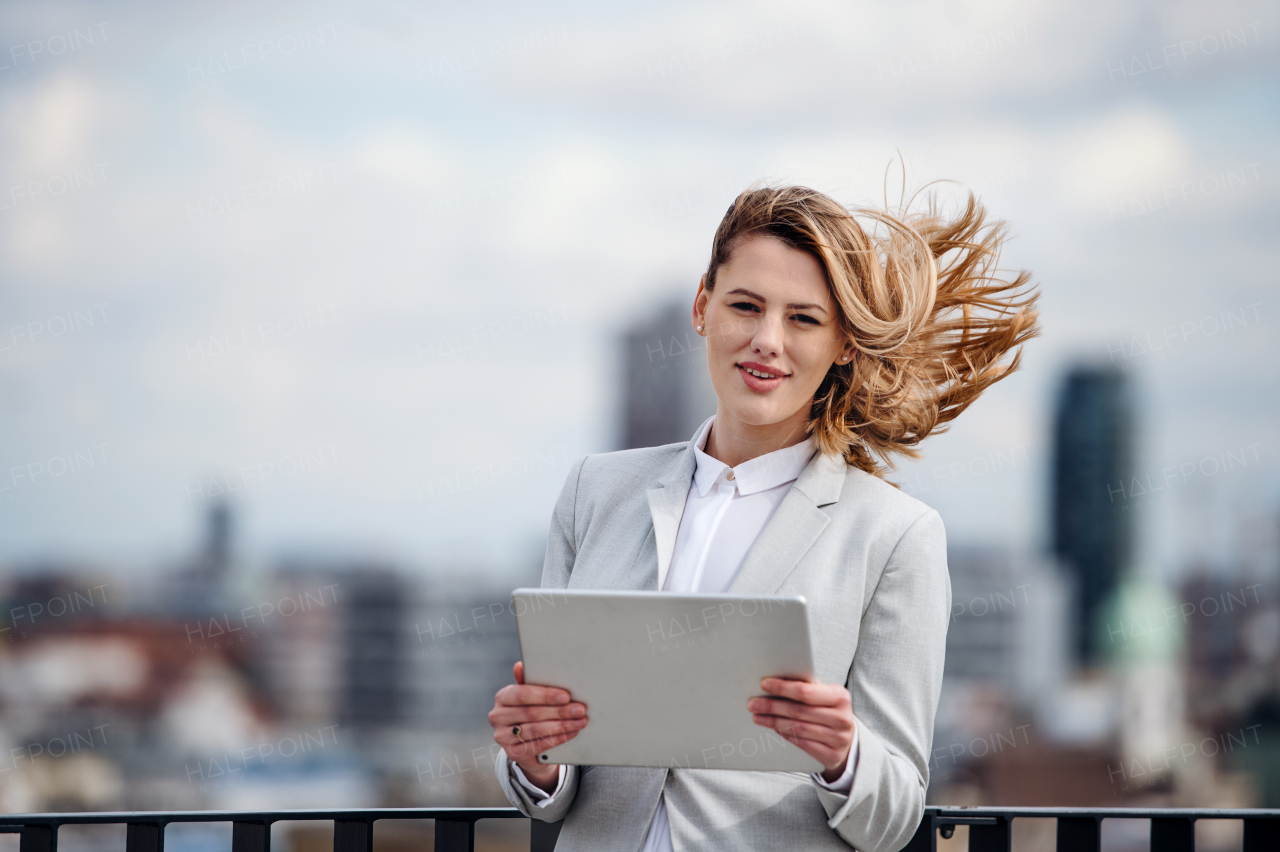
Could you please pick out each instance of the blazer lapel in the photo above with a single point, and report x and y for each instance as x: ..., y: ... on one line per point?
x: 666, y: 506
x: 793, y: 529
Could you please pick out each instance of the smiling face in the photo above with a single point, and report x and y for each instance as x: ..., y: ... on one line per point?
x: 772, y: 333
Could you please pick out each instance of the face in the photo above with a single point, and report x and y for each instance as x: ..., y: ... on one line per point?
x: 771, y: 330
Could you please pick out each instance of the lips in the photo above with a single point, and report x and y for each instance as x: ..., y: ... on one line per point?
x: 760, y: 378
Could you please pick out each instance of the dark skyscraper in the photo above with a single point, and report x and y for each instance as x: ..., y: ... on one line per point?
x: 666, y: 389
x: 1093, y: 435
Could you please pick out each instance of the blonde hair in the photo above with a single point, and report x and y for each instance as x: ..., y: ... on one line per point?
x: 920, y: 296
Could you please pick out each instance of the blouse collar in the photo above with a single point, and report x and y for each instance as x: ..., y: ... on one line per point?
x: 754, y: 475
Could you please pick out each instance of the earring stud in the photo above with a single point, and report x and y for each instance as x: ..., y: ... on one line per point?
x: 699, y: 328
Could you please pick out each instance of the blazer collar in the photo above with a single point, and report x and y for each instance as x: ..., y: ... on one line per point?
x: 793, y: 529
x: 788, y: 535
x: 666, y: 506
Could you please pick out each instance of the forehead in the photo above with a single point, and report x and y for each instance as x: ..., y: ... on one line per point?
x: 774, y: 270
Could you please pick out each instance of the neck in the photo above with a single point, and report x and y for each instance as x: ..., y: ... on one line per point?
x: 733, y: 442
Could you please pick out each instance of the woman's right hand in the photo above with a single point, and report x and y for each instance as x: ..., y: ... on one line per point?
x: 527, y: 720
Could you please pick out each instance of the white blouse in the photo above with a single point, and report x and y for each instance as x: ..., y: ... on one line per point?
x: 723, y: 515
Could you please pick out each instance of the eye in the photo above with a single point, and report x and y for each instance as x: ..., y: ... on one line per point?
x: 805, y: 318
x: 746, y: 306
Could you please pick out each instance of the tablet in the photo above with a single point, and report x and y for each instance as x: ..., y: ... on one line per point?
x: 666, y: 677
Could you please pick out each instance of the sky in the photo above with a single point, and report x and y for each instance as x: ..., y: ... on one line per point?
x: 364, y: 266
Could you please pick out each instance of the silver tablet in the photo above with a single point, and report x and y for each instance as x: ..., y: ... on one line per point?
x: 666, y: 677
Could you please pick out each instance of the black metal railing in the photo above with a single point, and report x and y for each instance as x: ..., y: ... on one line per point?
x: 1080, y: 829
x: 455, y: 828
x: 990, y: 829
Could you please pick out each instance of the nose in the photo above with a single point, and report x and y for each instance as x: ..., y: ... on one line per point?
x: 767, y: 339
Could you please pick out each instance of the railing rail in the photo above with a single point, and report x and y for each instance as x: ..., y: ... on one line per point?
x: 1079, y: 829
x: 455, y: 828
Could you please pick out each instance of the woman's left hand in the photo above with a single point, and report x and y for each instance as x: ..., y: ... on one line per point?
x: 815, y: 716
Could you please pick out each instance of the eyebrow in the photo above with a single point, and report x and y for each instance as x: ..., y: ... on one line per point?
x: 795, y: 306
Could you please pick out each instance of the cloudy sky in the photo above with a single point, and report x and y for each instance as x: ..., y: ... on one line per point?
x: 365, y: 264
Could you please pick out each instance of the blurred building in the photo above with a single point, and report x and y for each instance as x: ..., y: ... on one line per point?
x: 1092, y: 486
x: 1010, y: 621
x: 374, y: 664
x: 667, y: 392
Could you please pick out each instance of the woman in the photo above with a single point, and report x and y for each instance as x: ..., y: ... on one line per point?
x: 830, y: 348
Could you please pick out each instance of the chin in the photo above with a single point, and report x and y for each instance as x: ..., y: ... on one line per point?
x: 757, y: 412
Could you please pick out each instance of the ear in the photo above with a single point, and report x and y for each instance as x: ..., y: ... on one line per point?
x: 700, y: 306
x: 846, y: 354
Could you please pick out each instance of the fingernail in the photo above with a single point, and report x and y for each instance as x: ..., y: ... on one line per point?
x: 753, y: 705
x: 579, y: 711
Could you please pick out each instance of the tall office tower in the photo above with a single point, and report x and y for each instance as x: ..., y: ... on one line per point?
x: 667, y: 391
x: 1092, y: 467
x: 374, y: 609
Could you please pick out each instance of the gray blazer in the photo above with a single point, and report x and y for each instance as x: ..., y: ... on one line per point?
x: 872, y: 563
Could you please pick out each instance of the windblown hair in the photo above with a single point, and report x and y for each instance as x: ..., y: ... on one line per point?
x: 920, y: 295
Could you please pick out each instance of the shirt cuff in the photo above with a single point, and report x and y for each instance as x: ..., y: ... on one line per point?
x: 844, y: 783
x: 544, y: 798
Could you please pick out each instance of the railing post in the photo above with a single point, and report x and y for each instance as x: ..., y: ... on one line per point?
x: 39, y: 838
x: 543, y: 835
x: 144, y: 837
x: 1173, y: 834
x: 990, y: 838
x: 352, y: 835
x: 1079, y: 834
x: 1261, y: 835
x: 250, y: 837
x: 926, y: 837
x: 455, y: 835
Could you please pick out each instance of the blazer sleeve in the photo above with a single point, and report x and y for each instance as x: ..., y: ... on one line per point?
x: 562, y: 549
x: 895, y: 683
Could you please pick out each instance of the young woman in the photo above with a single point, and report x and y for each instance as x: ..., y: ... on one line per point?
x: 831, y: 348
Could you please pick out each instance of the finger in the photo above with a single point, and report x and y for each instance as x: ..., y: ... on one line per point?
x: 834, y: 717
x: 515, y: 695
x: 804, y: 730
x: 502, y: 714
x: 828, y: 755
x: 518, y: 669
x: 533, y: 731
x: 817, y: 694
x: 527, y: 751
x: 506, y: 714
